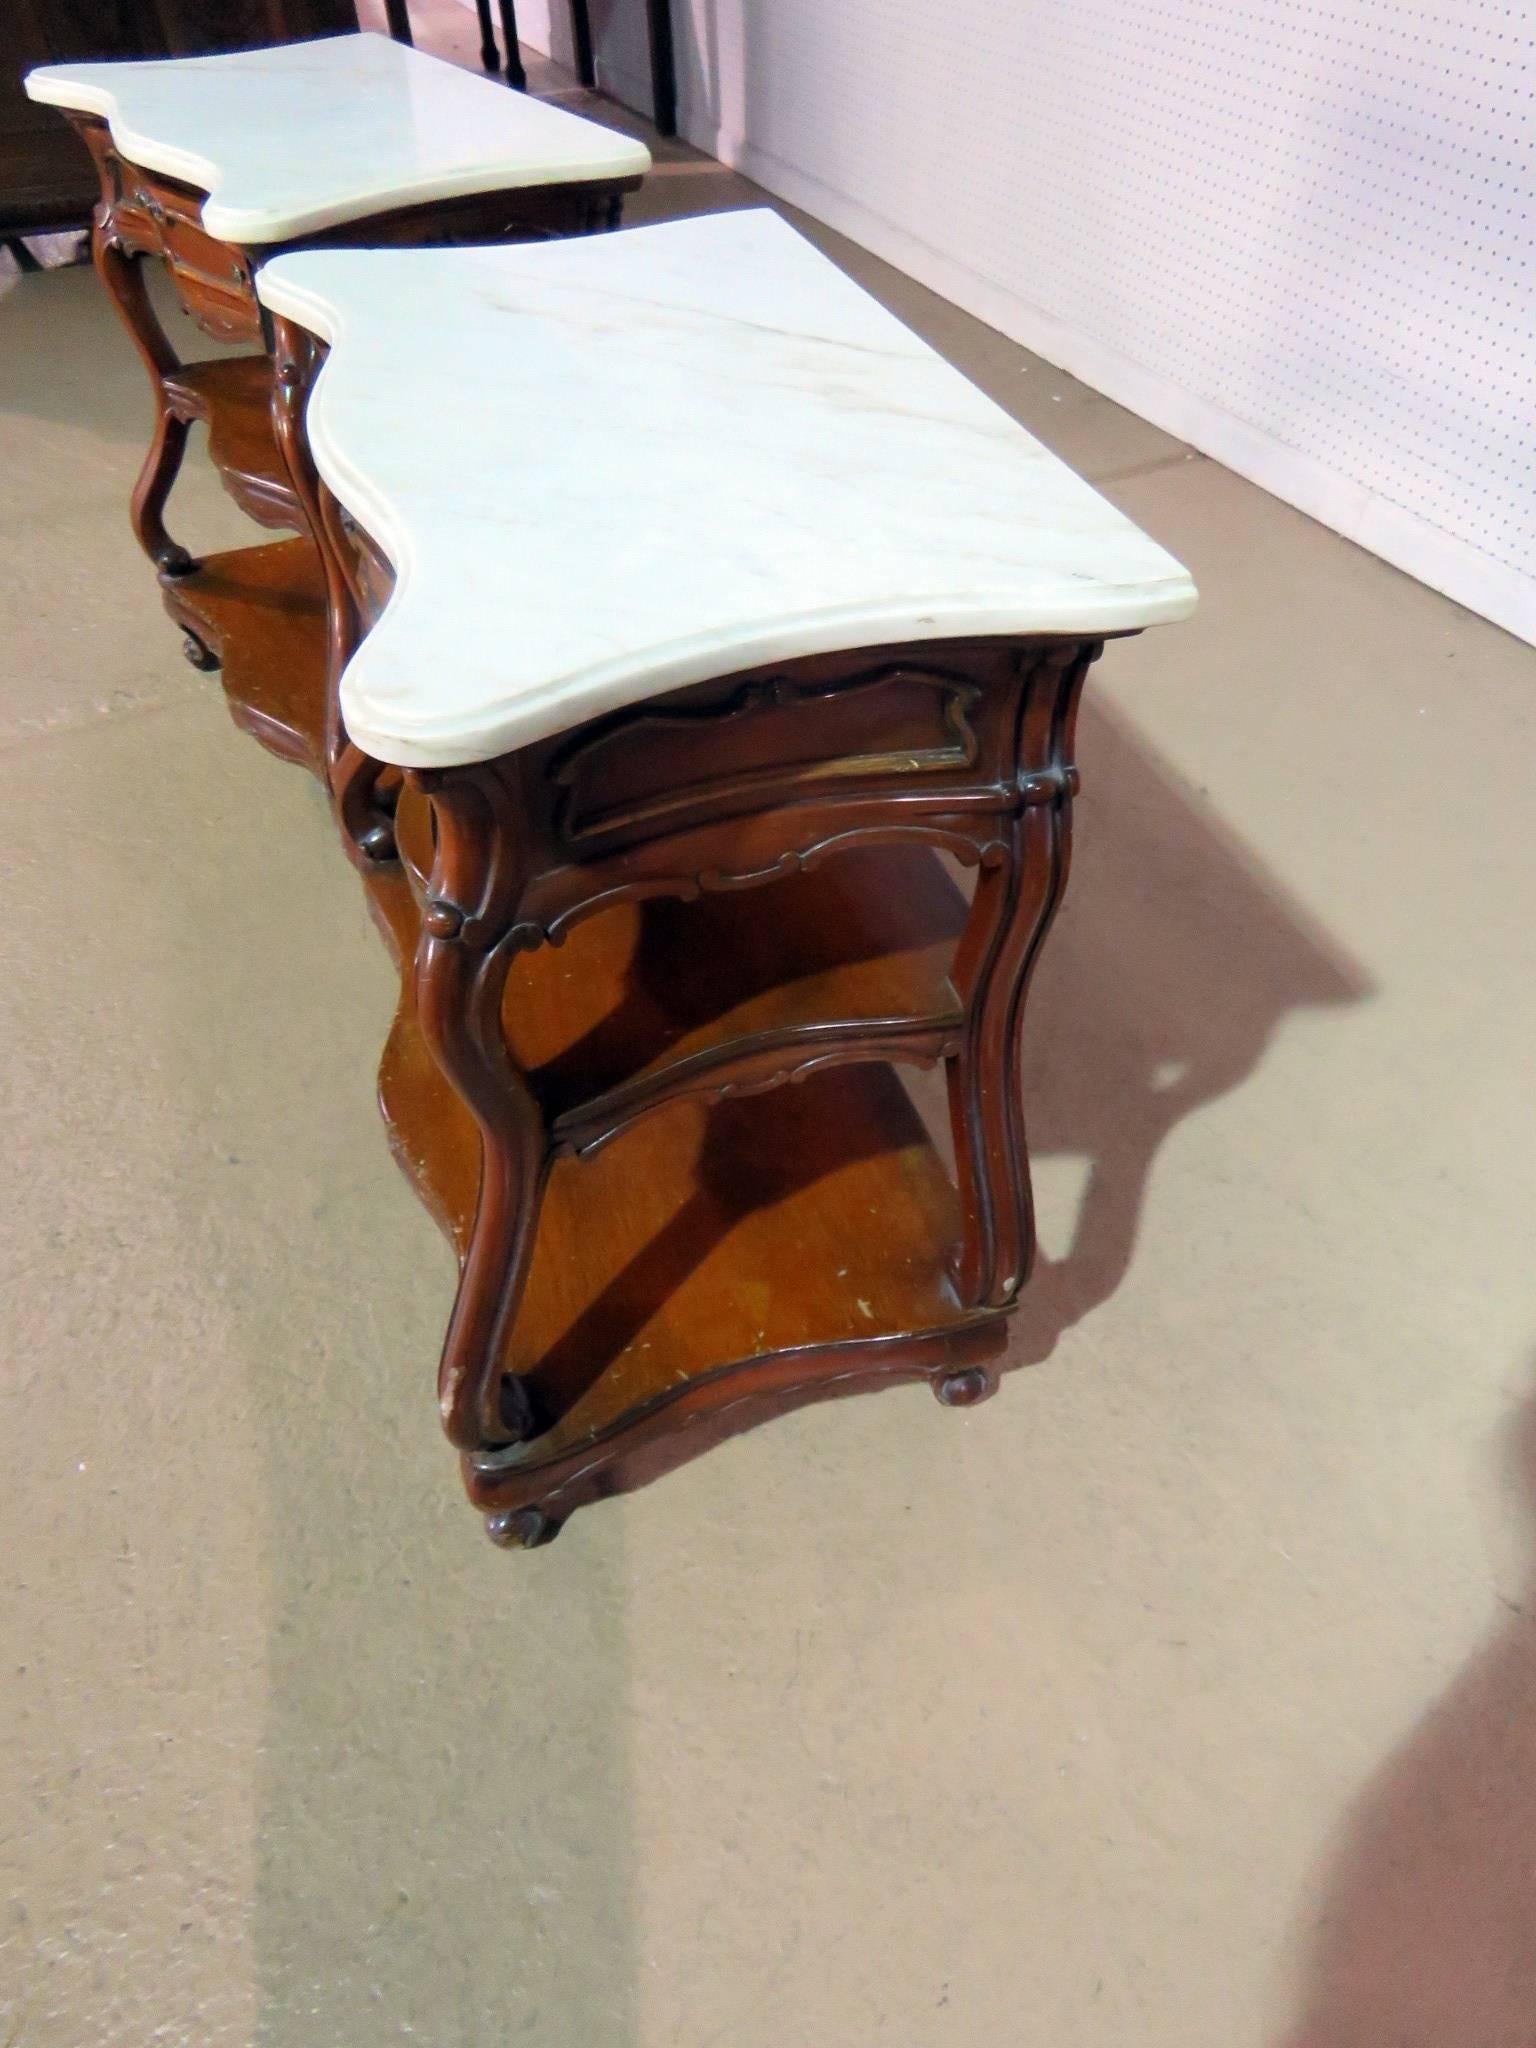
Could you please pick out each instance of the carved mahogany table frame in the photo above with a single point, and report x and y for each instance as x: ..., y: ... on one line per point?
x: 739, y: 806
x: 964, y: 747
x: 740, y: 802
x: 750, y: 788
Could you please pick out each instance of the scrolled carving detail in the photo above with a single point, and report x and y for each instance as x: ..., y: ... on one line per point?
x: 978, y: 843
x: 587, y: 1130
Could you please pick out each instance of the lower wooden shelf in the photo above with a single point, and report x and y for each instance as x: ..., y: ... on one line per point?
x: 708, y: 1261
x: 233, y: 396
x: 260, y: 614
x: 716, y: 1261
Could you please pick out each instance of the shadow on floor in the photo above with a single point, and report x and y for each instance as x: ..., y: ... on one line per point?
x: 1172, y: 965
x: 446, y: 1726
x: 442, y: 1800
x: 1425, y: 1931
x: 443, y: 1848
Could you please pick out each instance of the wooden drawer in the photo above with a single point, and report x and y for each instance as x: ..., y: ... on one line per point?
x: 212, y: 279
x: 714, y: 751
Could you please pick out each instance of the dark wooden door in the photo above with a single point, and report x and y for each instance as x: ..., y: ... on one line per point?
x: 46, y: 179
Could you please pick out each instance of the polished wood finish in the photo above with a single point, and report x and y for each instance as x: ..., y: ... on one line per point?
x: 233, y: 395
x: 656, y: 975
x: 260, y: 615
x: 804, y: 785
x: 721, y: 1261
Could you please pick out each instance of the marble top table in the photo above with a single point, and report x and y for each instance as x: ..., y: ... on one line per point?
x: 666, y: 660
x: 295, y: 139
x: 212, y: 165
x: 704, y: 449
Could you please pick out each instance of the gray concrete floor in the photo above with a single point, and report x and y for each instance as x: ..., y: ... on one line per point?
x: 1182, y: 1696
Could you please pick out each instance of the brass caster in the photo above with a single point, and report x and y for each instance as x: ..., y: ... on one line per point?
x: 198, y: 652
x: 521, y: 1528
x: 964, y: 1389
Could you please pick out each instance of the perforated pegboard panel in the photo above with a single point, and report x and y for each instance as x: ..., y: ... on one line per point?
x: 1315, y: 216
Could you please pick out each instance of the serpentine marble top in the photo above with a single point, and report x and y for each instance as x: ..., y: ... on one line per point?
x: 304, y: 136
x: 609, y: 467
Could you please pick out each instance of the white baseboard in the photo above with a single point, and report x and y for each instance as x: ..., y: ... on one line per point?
x: 1398, y: 536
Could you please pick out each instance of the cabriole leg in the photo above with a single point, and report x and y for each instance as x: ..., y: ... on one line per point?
x: 468, y: 941
x: 1017, y: 896
x: 122, y: 274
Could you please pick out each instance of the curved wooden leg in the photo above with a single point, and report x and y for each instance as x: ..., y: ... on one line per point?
x: 1012, y: 907
x: 361, y: 791
x: 462, y: 959
x: 162, y: 465
x: 459, y: 1000
x: 1016, y: 899
x: 122, y: 274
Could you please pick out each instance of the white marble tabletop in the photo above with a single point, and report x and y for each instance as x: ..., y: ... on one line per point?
x: 303, y: 136
x: 608, y: 467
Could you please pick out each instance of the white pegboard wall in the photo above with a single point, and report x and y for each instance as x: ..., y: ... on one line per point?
x: 1302, y: 233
